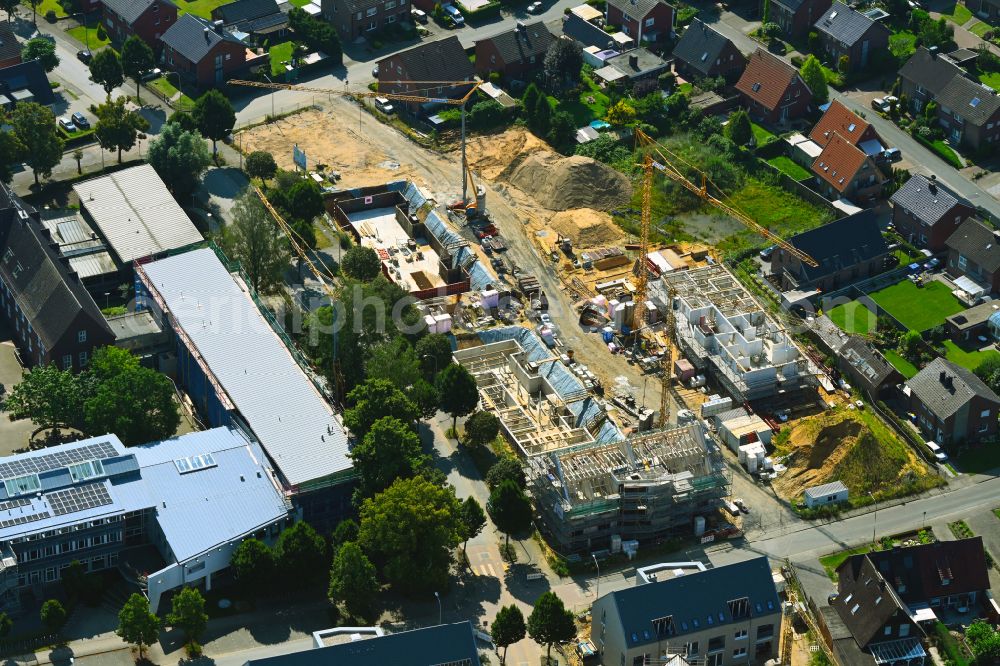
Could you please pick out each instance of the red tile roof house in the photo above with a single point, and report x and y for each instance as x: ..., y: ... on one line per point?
x: 514, y: 52
x: 851, y: 127
x: 846, y: 172
x: 643, y: 20
x: 202, y: 51
x: 147, y: 19
x: 772, y: 89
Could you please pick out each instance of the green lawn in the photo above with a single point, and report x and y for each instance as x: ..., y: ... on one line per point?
x: 45, y: 5
x: 918, y: 308
x: 592, y: 104
x: 967, y: 359
x: 168, y: 90
x: 905, y: 368
x: 788, y: 167
x: 979, y: 29
x: 202, y: 8
x: 685, y: 88
x: 834, y: 560
x: 902, y: 44
x: 959, y: 14
x: 992, y: 79
x: 853, y: 317
x: 943, y: 150
x: 88, y: 36
x: 279, y: 55
x: 298, y: 3
x: 761, y: 135
x: 75, y: 135
x: 777, y: 208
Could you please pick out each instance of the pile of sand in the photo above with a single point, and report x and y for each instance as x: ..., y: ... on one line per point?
x: 491, y: 155
x: 586, y: 227
x: 819, y: 446
x: 562, y: 183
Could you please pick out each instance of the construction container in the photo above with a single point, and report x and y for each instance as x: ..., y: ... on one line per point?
x: 716, y: 404
x: 683, y: 370
x: 490, y: 298
x: 699, y: 525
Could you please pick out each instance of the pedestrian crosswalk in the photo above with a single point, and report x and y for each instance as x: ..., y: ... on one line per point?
x: 486, y: 570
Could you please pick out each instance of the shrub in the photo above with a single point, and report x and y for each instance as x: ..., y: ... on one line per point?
x: 797, y: 61
x: 101, y: 34
x: 50, y: 16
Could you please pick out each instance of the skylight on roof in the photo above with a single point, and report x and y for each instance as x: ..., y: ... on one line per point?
x: 194, y: 463
x: 22, y: 485
x: 86, y: 470
x: 756, y: 87
x: 975, y: 102
x: 852, y: 127
x: 704, y: 56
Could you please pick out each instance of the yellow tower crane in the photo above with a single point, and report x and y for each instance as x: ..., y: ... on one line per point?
x: 401, y: 97
x: 667, y: 166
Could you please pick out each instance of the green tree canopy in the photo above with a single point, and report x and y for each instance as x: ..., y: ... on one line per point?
x: 812, y: 74
x: 188, y: 614
x: 137, y: 60
x: 550, y: 623
x: 528, y: 102
x: 301, y: 555
x: 458, y: 391
x: 390, y: 450
x: 426, y: 398
x: 562, y: 131
x: 214, y: 115
x: 318, y: 34
x: 353, y: 582
x: 481, y: 428
x: 508, y: 628
x: 118, y: 127
x: 396, y: 361
x: 434, y: 352
x: 48, y: 396
x: 410, y: 530
x: 253, y: 565
x: 11, y: 154
x: 472, y: 519
x: 506, y: 467
x: 255, y: 239
x: 39, y: 48
x: 53, y: 615
x: 260, y: 164
x: 137, y: 624
x: 562, y: 63
x: 739, y: 130
x: 302, y: 201
x: 137, y: 404
x: 620, y: 113
x: 179, y: 157
x: 106, y: 70
x: 373, y: 400
x: 361, y: 263
x: 35, y: 128
x: 989, y: 371
x: 540, y: 120
x: 346, y: 530
x: 184, y: 119
x: 509, y: 508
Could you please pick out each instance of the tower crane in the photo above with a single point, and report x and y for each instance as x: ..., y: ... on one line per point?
x: 401, y: 97
x: 667, y: 166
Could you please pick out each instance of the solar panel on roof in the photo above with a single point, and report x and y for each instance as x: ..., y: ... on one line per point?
x: 45, y: 462
x: 80, y: 498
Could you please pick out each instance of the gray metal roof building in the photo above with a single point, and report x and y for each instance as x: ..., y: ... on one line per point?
x: 977, y: 243
x: 844, y: 24
x: 928, y: 204
x: 945, y: 387
x: 135, y: 212
x: 254, y: 374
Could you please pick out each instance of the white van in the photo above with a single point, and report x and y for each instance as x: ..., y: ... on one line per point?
x: 384, y: 105
x: 936, y: 450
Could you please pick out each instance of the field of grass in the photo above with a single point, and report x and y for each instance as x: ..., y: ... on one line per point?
x: 202, y: 8
x: 591, y: 105
x: 853, y: 317
x: 168, y: 90
x: 918, y: 308
x: 789, y: 168
x: 967, y: 359
x: 834, y: 560
x: 902, y: 44
x: 44, y: 6
x: 905, y: 368
x: 685, y: 88
x: 761, y: 135
x: 979, y: 29
x: 958, y: 14
x: 280, y: 54
x: 776, y: 208
x: 992, y: 79
x: 88, y: 36
x: 298, y: 3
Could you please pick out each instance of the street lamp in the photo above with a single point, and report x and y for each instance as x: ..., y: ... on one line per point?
x: 438, y: 597
x: 86, y: 33
x: 272, y: 95
x: 598, y: 595
x: 875, y: 521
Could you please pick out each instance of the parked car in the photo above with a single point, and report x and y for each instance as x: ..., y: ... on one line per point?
x: 932, y: 264
x: 880, y: 104
x: 940, y: 455
x: 80, y: 120
x: 84, y: 56
x: 535, y: 8
x: 67, y: 124
x: 152, y: 74
x: 892, y: 154
x: 384, y: 105
x: 375, y: 72
x: 765, y: 254
x: 418, y: 15
x: 455, y: 15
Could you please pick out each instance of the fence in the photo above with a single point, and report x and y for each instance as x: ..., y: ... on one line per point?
x: 280, y: 111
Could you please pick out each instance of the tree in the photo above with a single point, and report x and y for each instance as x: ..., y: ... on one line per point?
x: 739, y: 130
x: 989, y: 372
x: 909, y: 345
x: 987, y: 651
x: 346, y: 530
x: 620, y: 113
x: 361, y: 263
x: 458, y: 390
x: 106, y: 70
x: 389, y: 450
x: 472, y: 519
x: 35, y: 128
x: 550, y: 623
x: 434, y: 352
x: 509, y: 508
x: 184, y: 119
x: 528, y: 102
x: 78, y: 584
x: 214, y: 116
x: 506, y: 468
x: 301, y: 555
x: 508, y: 628
x: 11, y: 154
x: 53, y: 615
x: 253, y: 564
x: 815, y: 80
x: 411, y: 529
x: 137, y: 624
x: 39, y: 48
x: 48, y: 396
x: 562, y: 131
x: 563, y: 61
x: 137, y: 404
x: 481, y: 428
x: 137, y: 60
x: 118, y: 126
x: 188, y: 614
x: 426, y: 398
x: 260, y: 164
x: 353, y: 582
x: 541, y: 118
x: 396, y: 361
x: 256, y: 241
x: 6, y: 624
x: 373, y: 400
x: 179, y: 157
x: 303, y: 200
x: 317, y: 34
x: 765, y: 13
x: 78, y: 156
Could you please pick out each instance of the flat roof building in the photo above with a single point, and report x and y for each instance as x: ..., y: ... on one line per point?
x: 87, y: 254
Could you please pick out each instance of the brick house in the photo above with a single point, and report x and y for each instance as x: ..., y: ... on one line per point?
x: 772, y: 90
x: 702, y: 52
x: 969, y: 112
x: 147, y: 19
x: 443, y: 60
x: 643, y: 20
x: 974, y: 251
x: 925, y: 75
x: 985, y: 9
x: 845, y: 171
x: 10, y: 48
x: 260, y: 19
x: 926, y: 213
x: 952, y: 404
x: 847, y: 250
x: 355, y: 18
x: 795, y: 17
x: 515, y: 52
x: 849, y: 126
x: 846, y: 32
x: 202, y: 51
x: 49, y: 314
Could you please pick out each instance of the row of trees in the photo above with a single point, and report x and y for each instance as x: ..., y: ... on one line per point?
x: 549, y: 624
x: 139, y: 625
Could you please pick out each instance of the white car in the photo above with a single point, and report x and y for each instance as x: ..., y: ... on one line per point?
x: 384, y: 105
x: 454, y: 14
x: 534, y: 8
x: 67, y: 124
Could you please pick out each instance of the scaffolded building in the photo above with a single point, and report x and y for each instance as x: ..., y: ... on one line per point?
x: 645, y: 488
x: 723, y: 331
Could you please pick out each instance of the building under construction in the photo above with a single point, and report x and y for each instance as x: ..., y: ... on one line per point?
x: 724, y: 332
x: 645, y: 488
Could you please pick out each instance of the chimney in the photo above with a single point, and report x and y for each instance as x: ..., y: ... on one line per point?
x: 633, y: 61
x: 218, y: 26
x: 205, y: 32
x: 932, y: 187
x: 933, y: 51
x: 943, y: 377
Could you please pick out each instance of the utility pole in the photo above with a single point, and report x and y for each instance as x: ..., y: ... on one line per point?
x: 598, y: 595
x: 875, y: 521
